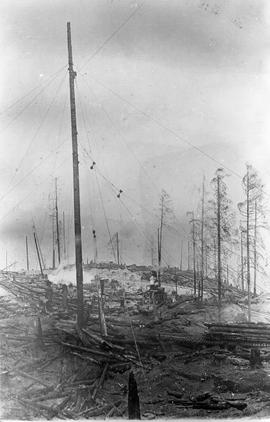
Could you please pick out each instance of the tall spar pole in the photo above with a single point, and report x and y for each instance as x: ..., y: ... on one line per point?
x: 76, y: 184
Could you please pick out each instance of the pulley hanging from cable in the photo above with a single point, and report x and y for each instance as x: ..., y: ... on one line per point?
x: 119, y: 194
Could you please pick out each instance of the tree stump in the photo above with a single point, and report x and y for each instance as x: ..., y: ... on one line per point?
x: 255, y: 358
x: 133, y: 398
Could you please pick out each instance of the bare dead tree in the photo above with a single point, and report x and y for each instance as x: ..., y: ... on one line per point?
x: 252, y: 211
x: 221, y: 225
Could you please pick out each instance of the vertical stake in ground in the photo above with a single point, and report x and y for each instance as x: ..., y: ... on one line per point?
x: 27, y: 254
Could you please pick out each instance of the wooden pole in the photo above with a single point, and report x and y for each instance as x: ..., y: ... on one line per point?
x: 76, y: 185
x: 181, y: 257
x: 242, y: 261
x: 39, y: 333
x: 194, y: 255
x: 27, y: 253
x: 38, y: 254
x: 64, y: 236
x: 160, y: 238
x: 152, y: 253
x: 219, y: 245
x: 188, y: 245
x: 53, y: 244
x: 95, y: 246
x: 103, y: 326
x: 159, y: 256
x: 57, y: 223
x: 117, y: 249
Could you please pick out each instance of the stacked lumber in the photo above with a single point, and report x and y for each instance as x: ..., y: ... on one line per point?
x: 242, y: 333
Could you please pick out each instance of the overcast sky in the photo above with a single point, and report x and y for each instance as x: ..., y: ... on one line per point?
x: 166, y: 91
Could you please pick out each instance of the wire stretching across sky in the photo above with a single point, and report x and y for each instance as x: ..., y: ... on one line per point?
x: 133, y: 218
x: 172, y: 132
x: 122, y: 138
x: 47, y: 80
x: 92, y: 159
x: 166, y: 128
x: 33, y: 191
x: 116, y: 189
x: 27, y: 105
x: 110, y: 37
x: 33, y: 169
x: 11, y: 188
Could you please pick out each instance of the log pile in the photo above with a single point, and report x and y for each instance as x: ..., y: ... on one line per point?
x: 32, y: 291
x: 248, y: 334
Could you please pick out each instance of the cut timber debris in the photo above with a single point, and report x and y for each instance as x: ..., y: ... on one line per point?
x: 101, y: 381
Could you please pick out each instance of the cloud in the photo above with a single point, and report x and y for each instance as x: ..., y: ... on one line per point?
x: 212, y: 33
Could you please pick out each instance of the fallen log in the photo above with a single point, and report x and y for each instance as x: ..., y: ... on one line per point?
x: 239, y: 325
x: 25, y: 375
x: 51, y: 396
x: 84, y: 357
x: 101, y: 380
x: 175, y: 394
x: 109, y: 355
x: 101, y: 340
x: 34, y: 405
